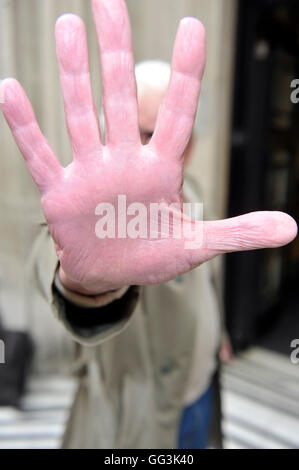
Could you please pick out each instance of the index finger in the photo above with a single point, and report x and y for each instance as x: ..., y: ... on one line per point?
x: 178, y: 109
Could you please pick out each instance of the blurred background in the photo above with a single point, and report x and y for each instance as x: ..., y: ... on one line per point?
x: 246, y: 158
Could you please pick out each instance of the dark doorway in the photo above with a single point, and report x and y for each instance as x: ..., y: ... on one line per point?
x: 262, y: 287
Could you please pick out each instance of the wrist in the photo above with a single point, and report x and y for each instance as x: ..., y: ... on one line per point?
x: 79, y: 288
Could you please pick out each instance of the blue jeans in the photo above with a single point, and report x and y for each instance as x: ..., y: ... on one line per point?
x: 195, y: 423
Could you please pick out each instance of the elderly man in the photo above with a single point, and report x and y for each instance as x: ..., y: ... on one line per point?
x: 140, y: 327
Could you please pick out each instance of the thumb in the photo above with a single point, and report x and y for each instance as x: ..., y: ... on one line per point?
x: 267, y: 229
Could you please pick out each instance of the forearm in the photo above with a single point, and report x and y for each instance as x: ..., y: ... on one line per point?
x: 98, y: 318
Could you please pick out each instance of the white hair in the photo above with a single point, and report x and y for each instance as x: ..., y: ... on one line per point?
x: 152, y: 75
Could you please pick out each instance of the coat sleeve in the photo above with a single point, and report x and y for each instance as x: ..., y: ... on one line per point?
x: 91, y: 324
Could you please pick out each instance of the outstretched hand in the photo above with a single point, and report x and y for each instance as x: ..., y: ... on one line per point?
x: 100, y: 172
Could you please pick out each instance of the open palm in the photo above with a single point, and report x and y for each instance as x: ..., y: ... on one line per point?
x: 151, y: 173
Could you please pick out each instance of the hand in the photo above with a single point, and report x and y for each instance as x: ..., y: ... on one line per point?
x: 226, y: 353
x: 122, y: 166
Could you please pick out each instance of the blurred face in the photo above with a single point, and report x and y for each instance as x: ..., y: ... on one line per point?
x: 148, y: 106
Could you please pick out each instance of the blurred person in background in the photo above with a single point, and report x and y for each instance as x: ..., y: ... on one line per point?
x: 143, y: 313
